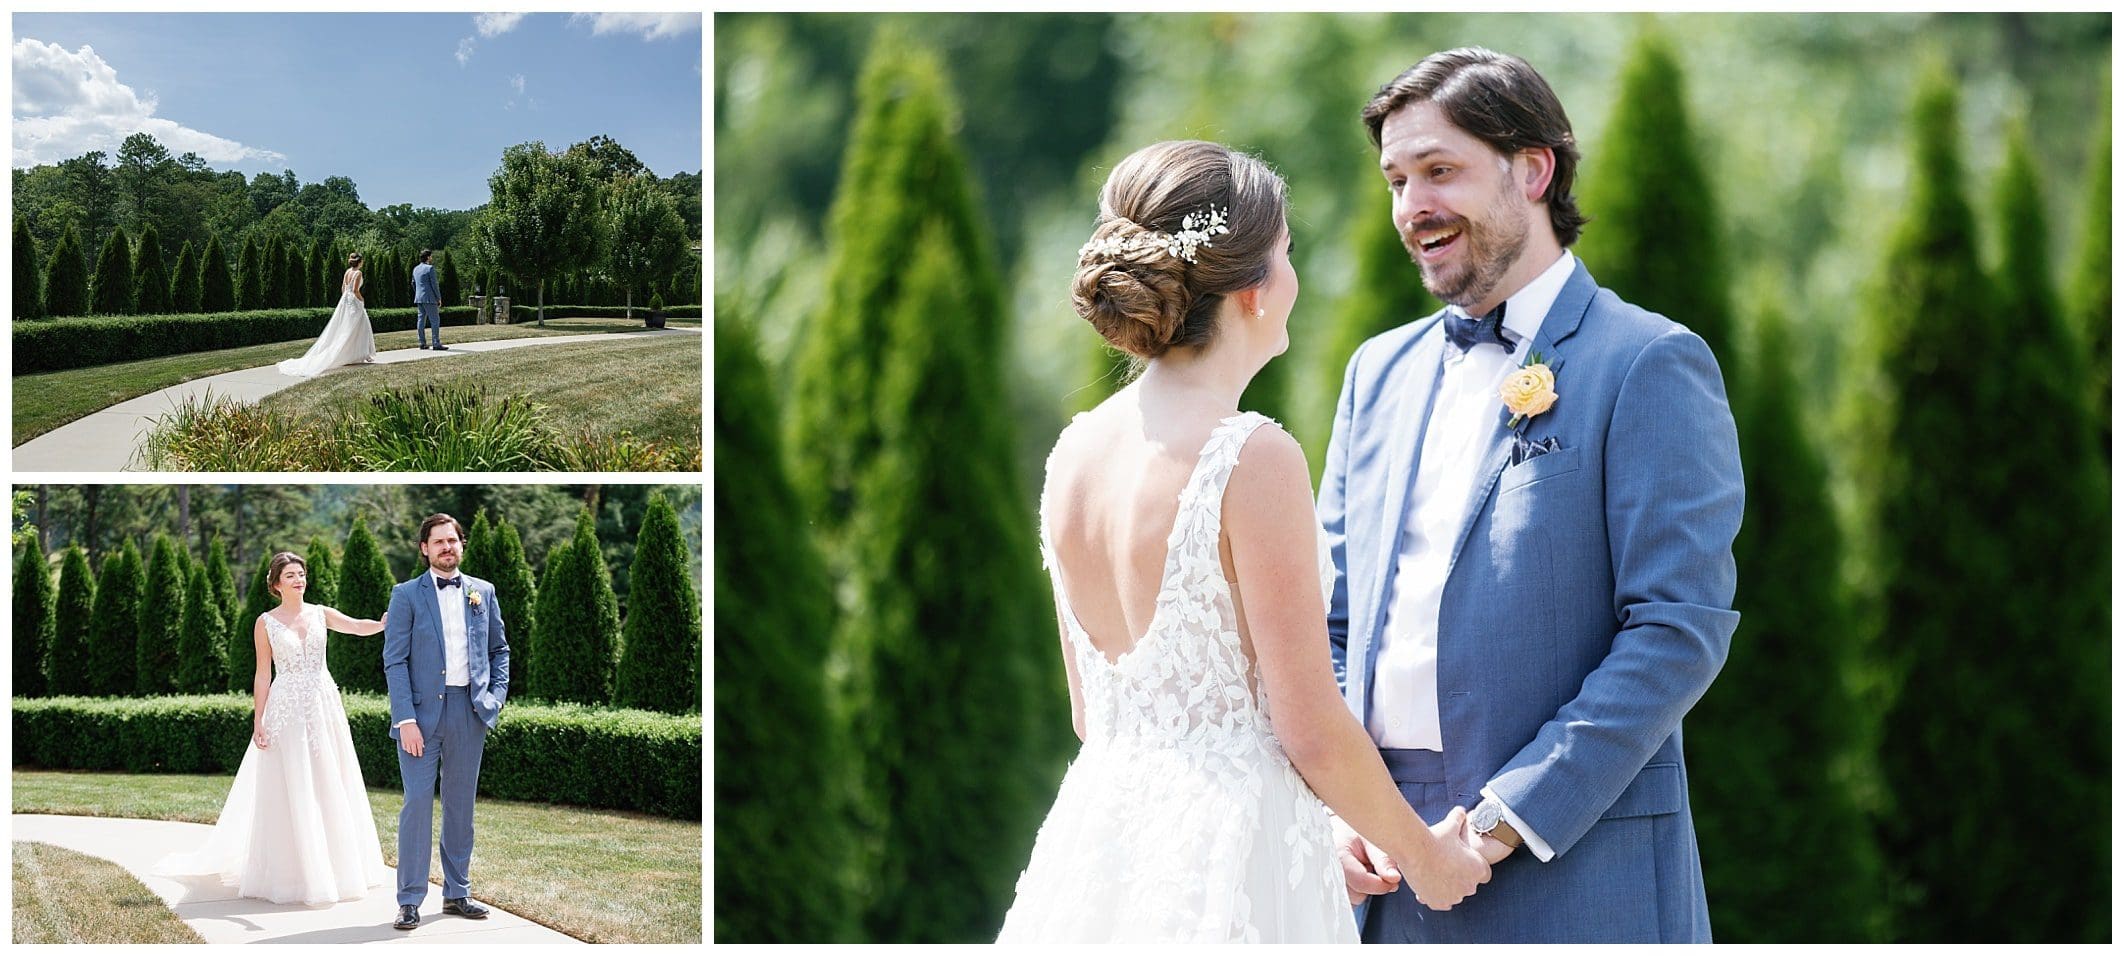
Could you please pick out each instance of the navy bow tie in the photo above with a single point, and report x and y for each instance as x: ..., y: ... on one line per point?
x: 448, y: 582
x: 1466, y: 333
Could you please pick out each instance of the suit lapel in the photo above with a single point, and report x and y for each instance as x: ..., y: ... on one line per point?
x: 1560, y: 324
x: 434, y: 594
x: 1408, y: 412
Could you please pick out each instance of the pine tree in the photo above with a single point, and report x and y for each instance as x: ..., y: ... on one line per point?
x: 660, y: 656
x: 1785, y: 718
x: 113, y: 292
x: 36, y: 619
x: 161, y: 619
x: 1956, y: 418
x: 184, y: 281
x: 1658, y: 242
x: 365, y: 584
x: 29, y: 284
x: 201, y: 667
x: 242, y: 647
x: 151, y: 281
x: 578, y: 620
x: 117, y: 617
x: 2089, y: 295
x: 217, y: 288
x: 66, y: 277
x: 773, y: 616
x: 323, y: 573
x: 72, y: 649
x: 250, y: 278
x: 516, y: 590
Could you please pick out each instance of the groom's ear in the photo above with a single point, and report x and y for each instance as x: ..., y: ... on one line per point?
x: 1540, y: 164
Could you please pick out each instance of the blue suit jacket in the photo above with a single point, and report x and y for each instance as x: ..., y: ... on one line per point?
x: 1587, y: 605
x: 424, y: 287
x: 413, y: 653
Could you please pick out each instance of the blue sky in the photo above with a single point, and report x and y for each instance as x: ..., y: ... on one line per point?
x: 415, y: 108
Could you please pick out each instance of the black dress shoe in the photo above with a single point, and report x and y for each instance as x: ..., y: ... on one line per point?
x: 408, y: 917
x: 442, y: 348
x: 465, y: 908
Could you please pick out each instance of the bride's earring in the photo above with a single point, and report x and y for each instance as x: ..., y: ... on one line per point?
x: 1260, y: 313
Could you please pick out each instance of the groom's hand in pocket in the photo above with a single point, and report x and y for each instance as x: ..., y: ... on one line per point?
x: 1366, y: 869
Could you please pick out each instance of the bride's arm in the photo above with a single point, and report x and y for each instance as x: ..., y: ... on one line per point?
x: 261, y: 680
x: 1268, y: 519
x: 1069, y: 666
x: 360, y: 627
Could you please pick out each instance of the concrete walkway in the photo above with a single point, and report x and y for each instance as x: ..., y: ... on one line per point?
x: 220, y: 916
x: 105, y: 440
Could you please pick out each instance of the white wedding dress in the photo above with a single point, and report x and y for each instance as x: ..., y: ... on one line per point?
x: 1181, y: 819
x: 346, y: 340
x: 296, y: 827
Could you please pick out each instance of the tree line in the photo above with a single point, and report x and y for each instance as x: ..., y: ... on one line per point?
x: 1911, y: 670
x: 171, y: 621
x: 176, y: 236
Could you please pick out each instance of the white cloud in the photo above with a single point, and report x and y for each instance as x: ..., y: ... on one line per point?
x: 496, y: 24
x: 517, y: 82
x: 464, y: 50
x: 652, y: 26
x: 68, y: 103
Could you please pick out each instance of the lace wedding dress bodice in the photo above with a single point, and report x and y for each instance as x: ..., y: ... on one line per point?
x: 303, y: 695
x: 1181, y: 818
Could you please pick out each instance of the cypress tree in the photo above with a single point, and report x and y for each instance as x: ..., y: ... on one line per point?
x: 786, y: 815
x: 184, y: 281
x: 1956, y: 419
x: 453, y: 291
x: 1785, y: 720
x: 1387, y: 292
x: 219, y: 578
x: 119, y: 589
x: 2088, y: 295
x: 516, y: 590
x: 66, y: 278
x: 323, y: 573
x: 201, y: 664
x: 295, y: 274
x: 365, y: 584
x: 242, y: 649
x: 272, y: 274
x: 161, y: 620
x: 578, y: 620
x: 217, y: 287
x: 478, y: 539
x: 250, y: 279
x: 330, y: 265
x: 151, y: 281
x: 72, y: 650
x: 660, y: 656
x: 29, y: 279
x: 36, y: 619
x: 1658, y: 242
x: 113, y: 292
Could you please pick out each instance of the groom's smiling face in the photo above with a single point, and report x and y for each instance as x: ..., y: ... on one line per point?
x: 1455, y: 204
x: 442, y: 549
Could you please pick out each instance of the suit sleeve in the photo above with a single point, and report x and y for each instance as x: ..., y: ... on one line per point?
x: 497, y: 650
x: 397, y: 654
x: 1674, y: 498
x: 1334, y: 476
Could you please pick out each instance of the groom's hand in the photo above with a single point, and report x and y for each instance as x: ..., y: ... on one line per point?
x: 1366, y: 869
x: 1493, y: 849
x: 409, y: 738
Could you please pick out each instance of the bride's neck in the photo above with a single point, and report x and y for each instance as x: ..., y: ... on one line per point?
x: 1217, y: 372
x: 291, y: 602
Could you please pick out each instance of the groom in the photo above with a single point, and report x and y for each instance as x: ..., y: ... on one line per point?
x: 428, y: 299
x: 1531, y: 498
x: 447, y: 666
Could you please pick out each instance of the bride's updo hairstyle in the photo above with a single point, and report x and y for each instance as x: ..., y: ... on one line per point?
x: 1135, y: 283
x: 280, y: 563
x: 354, y: 260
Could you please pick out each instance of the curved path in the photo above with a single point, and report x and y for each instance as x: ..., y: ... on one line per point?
x: 105, y: 440
x: 216, y: 913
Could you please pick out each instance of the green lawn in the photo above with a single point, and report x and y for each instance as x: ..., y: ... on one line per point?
x: 50, y: 399
x: 605, y: 876
x: 650, y: 386
x: 66, y: 897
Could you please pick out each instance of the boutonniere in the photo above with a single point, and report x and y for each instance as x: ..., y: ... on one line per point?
x: 472, y: 597
x: 1529, y: 391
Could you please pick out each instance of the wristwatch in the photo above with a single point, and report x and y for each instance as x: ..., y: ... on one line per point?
x: 1487, y: 819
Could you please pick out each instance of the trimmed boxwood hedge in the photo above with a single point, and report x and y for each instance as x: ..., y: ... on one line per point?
x: 52, y: 345
x: 521, y: 312
x: 553, y: 753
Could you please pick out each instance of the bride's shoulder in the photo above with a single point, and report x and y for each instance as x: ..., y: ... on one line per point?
x: 1269, y: 465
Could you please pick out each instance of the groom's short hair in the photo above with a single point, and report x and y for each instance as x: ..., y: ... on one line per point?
x: 425, y: 253
x: 428, y: 526
x: 1499, y: 99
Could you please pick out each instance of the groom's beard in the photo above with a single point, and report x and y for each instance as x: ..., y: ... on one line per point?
x: 1494, y: 245
x: 445, y: 562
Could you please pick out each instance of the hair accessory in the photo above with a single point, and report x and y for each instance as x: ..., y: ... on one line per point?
x: 1195, y: 232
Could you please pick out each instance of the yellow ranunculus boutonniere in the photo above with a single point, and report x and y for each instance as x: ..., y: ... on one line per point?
x: 471, y: 597
x: 1529, y: 391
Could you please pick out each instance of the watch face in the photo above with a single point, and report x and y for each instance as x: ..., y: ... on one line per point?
x: 1485, y: 816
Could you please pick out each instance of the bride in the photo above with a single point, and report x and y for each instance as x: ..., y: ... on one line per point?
x: 1198, y: 665
x: 347, y: 338
x: 296, y: 827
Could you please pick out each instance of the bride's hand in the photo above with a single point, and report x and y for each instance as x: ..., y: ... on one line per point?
x: 258, y: 734
x: 1453, y: 868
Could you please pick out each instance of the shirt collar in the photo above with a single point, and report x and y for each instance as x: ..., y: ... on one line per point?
x: 1525, y: 309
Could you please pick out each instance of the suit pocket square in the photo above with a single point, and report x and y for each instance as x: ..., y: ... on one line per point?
x: 1543, y: 459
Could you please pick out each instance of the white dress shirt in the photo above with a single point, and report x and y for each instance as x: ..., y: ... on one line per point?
x: 1463, y: 425
x: 457, y: 661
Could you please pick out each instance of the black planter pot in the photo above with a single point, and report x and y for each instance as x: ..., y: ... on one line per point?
x: 656, y: 319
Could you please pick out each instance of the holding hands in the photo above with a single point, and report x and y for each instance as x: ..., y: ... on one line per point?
x: 1456, y: 865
